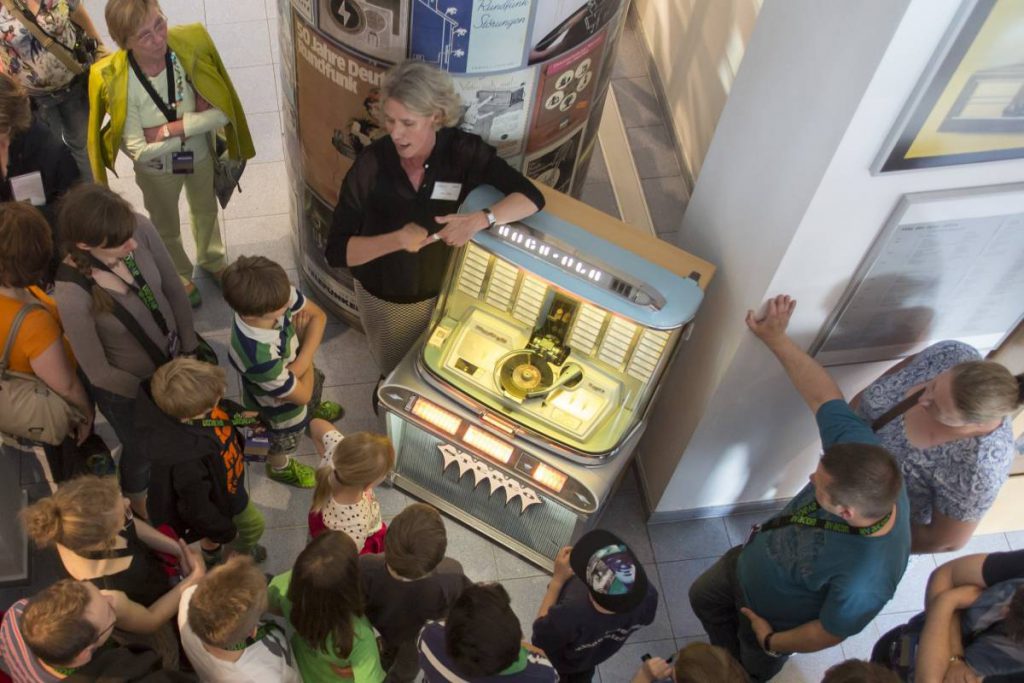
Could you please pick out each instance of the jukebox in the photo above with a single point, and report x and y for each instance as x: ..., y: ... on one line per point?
x: 522, y: 404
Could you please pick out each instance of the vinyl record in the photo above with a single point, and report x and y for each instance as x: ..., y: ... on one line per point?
x: 523, y: 372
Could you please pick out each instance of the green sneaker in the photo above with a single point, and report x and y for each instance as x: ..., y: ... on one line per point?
x: 329, y: 410
x: 294, y: 474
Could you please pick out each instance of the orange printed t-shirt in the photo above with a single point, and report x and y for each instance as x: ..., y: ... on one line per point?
x: 38, y: 330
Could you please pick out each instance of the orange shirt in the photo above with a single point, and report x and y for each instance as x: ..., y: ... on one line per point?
x: 38, y: 330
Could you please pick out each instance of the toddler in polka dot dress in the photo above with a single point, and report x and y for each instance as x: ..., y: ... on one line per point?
x: 350, y: 467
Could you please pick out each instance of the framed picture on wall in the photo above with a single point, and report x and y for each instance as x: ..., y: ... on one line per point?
x: 968, y: 106
x: 946, y: 265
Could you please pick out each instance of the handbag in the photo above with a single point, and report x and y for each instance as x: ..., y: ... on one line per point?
x: 28, y: 408
x: 77, y: 58
x: 226, y: 171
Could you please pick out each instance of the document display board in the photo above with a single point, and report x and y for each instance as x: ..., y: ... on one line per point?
x: 947, y: 265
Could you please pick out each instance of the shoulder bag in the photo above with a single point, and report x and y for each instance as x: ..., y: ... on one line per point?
x: 28, y: 408
x: 77, y: 58
x: 226, y: 171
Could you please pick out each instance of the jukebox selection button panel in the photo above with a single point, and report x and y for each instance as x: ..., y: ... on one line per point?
x: 475, y: 451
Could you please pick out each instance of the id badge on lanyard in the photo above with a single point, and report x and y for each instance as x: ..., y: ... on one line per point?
x: 173, y: 344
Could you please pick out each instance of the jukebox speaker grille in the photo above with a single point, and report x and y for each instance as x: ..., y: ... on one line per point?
x: 545, y: 527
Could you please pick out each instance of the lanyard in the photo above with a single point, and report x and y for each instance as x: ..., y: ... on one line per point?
x: 140, y: 287
x: 168, y: 108
x: 802, y: 516
x: 261, y: 633
x: 235, y: 421
x: 897, y: 410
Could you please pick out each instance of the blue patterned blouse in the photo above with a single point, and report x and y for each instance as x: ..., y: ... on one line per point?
x: 961, y: 478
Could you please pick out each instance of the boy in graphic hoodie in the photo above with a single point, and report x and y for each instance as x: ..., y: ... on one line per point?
x: 197, y: 483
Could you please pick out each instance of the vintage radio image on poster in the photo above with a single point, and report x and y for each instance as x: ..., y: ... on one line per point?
x: 563, y: 98
x: 561, y: 25
x: 378, y: 28
x: 470, y: 36
x: 338, y: 108
x: 496, y: 108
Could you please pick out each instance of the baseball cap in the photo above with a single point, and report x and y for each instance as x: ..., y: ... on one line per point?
x: 616, y: 579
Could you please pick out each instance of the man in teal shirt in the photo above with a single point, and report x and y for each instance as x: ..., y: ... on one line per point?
x: 822, y: 569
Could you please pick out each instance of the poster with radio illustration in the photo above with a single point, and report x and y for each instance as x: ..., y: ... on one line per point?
x: 470, y: 36
x: 496, y: 108
x: 376, y: 28
x: 556, y: 165
x: 338, y: 108
x: 566, y: 87
x: 561, y: 25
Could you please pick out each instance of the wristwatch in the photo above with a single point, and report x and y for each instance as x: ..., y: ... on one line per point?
x: 767, y: 647
x: 491, y: 220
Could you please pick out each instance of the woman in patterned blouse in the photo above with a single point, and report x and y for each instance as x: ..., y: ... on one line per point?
x: 954, y: 444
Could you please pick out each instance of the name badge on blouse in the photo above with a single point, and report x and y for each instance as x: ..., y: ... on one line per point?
x: 29, y: 188
x: 446, y: 191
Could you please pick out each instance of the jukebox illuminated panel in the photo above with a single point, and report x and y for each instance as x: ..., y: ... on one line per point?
x: 521, y: 405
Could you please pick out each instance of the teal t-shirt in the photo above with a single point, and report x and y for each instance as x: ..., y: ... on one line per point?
x: 796, y: 574
x: 315, y: 666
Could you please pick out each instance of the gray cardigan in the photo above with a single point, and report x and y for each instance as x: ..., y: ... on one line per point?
x: 109, y: 355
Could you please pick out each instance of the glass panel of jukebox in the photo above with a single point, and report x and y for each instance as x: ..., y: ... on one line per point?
x: 521, y: 405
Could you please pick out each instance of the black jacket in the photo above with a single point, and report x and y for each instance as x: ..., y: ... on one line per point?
x: 197, y: 480
x: 38, y: 149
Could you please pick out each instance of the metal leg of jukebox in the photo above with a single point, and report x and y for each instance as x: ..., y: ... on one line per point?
x: 524, y: 400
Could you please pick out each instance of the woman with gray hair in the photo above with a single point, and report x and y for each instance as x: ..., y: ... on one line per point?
x: 396, y: 224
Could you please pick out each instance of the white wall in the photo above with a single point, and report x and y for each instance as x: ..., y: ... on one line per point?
x: 786, y: 203
x: 697, y: 46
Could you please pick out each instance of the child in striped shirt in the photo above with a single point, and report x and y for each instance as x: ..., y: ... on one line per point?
x: 275, y: 335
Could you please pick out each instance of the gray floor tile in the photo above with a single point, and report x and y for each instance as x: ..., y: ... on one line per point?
x: 220, y: 12
x: 631, y: 57
x: 676, y: 578
x: 355, y: 398
x: 214, y: 316
x: 661, y: 627
x: 666, y: 200
x: 859, y: 646
x: 624, y: 517
x: 810, y: 666
x: 526, y: 594
x: 264, y: 190
x: 511, y: 566
x: 625, y: 662
x: 473, y: 551
x: 1015, y: 539
x: 282, y: 506
x: 689, y: 540
x: 653, y: 151
x: 985, y: 543
x: 219, y: 342
x: 910, y: 593
x: 242, y: 43
x: 283, y: 546
x: 683, y: 642
x: 344, y: 357
x: 738, y: 526
x: 599, y: 194
x: 598, y: 169
x: 638, y: 102
x: 885, y: 622
x: 392, y: 501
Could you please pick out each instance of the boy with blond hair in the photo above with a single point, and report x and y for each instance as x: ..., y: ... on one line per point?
x: 410, y: 583
x: 222, y: 631
x: 275, y: 335
x: 197, y: 484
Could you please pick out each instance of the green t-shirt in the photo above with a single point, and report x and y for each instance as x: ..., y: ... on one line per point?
x: 315, y: 666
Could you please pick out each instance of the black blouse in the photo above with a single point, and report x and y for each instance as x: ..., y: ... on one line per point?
x: 377, y: 198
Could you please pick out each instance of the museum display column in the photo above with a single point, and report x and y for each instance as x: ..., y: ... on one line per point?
x: 533, y: 75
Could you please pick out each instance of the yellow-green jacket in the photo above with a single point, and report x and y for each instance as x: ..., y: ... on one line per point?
x: 108, y: 94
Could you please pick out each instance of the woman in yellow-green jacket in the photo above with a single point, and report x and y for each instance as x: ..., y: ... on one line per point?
x: 166, y: 92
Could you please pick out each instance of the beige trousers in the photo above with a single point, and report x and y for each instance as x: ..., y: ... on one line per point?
x: 160, y: 194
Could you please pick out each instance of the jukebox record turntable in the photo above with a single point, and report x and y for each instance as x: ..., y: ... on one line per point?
x: 525, y: 398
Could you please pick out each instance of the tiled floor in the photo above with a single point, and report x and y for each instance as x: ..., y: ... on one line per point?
x: 257, y: 221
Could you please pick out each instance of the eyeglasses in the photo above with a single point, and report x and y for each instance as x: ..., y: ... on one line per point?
x: 150, y: 36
